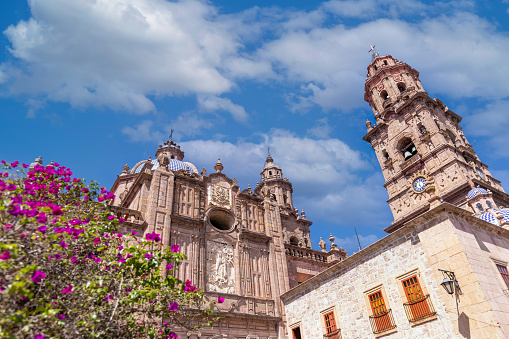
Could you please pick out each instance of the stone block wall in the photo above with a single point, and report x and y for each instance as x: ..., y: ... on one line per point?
x: 346, y: 291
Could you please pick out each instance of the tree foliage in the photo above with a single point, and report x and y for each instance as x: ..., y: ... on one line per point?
x: 66, y: 271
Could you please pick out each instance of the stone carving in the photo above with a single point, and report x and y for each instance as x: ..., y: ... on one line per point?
x: 220, y: 195
x: 221, y: 273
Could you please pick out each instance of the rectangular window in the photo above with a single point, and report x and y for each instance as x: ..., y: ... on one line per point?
x: 296, y: 333
x: 381, y: 317
x: 417, y: 301
x: 330, y: 326
x: 505, y: 274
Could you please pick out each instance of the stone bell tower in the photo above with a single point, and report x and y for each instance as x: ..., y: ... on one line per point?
x: 424, y: 155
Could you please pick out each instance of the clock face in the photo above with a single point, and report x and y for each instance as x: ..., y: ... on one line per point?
x: 419, y: 184
x: 481, y: 174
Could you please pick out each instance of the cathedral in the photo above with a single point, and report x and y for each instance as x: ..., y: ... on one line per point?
x: 247, y: 246
x: 441, y: 272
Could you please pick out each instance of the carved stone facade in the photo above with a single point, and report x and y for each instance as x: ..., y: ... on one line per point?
x: 246, y: 246
x: 419, y: 143
x: 449, y: 217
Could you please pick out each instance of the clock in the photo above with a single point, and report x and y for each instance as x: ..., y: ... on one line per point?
x: 481, y: 174
x: 419, y: 184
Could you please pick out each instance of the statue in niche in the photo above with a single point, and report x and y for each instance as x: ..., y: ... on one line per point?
x: 220, y: 268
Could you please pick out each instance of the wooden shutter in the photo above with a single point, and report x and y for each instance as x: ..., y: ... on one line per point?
x: 330, y: 325
x: 382, y: 319
x: 296, y: 333
x: 415, y: 297
x: 505, y: 274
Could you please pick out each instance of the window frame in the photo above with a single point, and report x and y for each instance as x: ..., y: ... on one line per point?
x: 294, y: 326
x: 330, y: 310
x: 424, y: 291
x: 503, y: 282
x: 369, y: 310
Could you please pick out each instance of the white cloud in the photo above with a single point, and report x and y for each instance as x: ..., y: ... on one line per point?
x: 214, y: 103
x: 117, y: 53
x: 322, y: 129
x: 491, y: 122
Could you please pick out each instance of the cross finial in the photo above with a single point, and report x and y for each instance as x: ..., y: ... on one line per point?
x: 375, y: 54
x: 171, y: 133
x: 268, y: 151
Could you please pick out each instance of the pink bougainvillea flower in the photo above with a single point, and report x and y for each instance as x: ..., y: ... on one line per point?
x: 22, y: 235
x: 220, y: 300
x: 121, y: 220
x: 175, y: 248
x: 14, y: 164
x: 74, y: 260
x: 25, y: 166
x: 97, y: 259
x: 42, y: 229
x: 38, y: 276
x: 110, y: 217
x: 148, y: 255
x: 61, y: 316
x: 173, y: 336
x: 97, y: 240
x: 39, y: 336
x: 108, y: 298
x: 67, y: 290
x: 6, y: 255
x: 42, y: 219
x: 174, y: 306
x: 134, y: 233
x: 169, y: 267
x: 63, y: 244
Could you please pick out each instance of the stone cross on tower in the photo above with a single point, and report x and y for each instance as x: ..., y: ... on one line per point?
x: 375, y: 54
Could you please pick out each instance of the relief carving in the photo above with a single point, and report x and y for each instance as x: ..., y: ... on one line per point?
x: 219, y: 194
x: 221, y: 273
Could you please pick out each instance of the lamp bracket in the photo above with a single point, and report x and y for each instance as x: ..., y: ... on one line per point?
x: 450, y: 275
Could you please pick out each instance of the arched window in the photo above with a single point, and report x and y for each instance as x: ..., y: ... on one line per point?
x: 375, y: 68
x: 422, y: 129
x: 479, y: 207
x: 294, y: 241
x: 270, y: 172
x: 385, y: 62
x: 384, y: 95
x: 490, y: 205
x: 172, y: 157
x: 285, y: 198
x: 386, y: 155
x: 401, y: 86
x: 407, y: 148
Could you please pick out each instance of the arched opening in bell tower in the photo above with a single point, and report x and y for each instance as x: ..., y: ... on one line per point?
x: 401, y: 87
x: 407, y: 148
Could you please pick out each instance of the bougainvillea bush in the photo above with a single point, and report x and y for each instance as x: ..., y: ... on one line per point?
x: 66, y: 271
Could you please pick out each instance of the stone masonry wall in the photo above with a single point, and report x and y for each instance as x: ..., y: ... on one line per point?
x: 345, y: 290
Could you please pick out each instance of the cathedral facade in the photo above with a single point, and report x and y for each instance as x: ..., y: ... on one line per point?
x: 247, y: 246
x: 442, y: 272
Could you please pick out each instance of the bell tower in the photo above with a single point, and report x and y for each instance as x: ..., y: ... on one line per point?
x: 421, y: 148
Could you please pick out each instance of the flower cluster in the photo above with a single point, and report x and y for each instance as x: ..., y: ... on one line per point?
x: 67, y: 269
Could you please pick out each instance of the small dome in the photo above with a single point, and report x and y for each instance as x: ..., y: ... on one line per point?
x: 174, y: 165
x: 475, y: 191
x: 490, y: 216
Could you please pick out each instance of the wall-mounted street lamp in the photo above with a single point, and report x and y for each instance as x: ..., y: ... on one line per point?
x: 450, y: 282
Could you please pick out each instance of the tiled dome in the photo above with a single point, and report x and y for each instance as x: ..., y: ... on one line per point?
x: 174, y: 165
x: 490, y: 216
x: 475, y: 191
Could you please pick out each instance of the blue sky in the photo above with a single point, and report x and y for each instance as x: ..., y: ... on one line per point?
x: 97, y: 84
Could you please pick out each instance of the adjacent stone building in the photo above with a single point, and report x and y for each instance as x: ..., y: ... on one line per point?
x: 451, y: 230
x: 247, y: 246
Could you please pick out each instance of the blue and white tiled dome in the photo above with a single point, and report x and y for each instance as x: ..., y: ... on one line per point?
x: 475, y: 191
x: 174, y: 165
x: 490, y: 216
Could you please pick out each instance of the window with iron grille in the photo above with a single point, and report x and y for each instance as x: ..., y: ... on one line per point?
x: 381, y: 320
x: 419, y: 305
x: 504, y: 273
x: 330, y: 326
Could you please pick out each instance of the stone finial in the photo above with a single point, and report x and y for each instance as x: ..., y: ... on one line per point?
x: 323, y: 245
x: 235, y: 181
x: 203, y: 172
x: 219, y: 166
x: 368, y: 125
x: 51, y: 164
x: 37, y: 161
x: 249, y: 188
x: 126, y: 167
x: 303, y: 215
x: 333, y: 246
